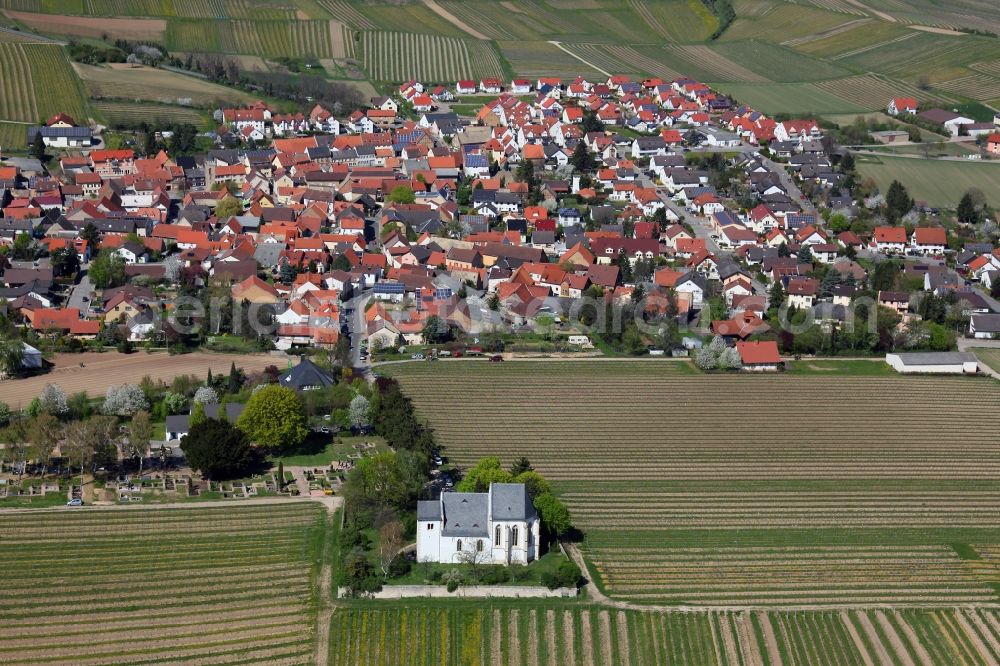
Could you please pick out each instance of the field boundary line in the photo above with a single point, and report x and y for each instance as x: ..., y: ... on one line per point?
x: 559, y: 46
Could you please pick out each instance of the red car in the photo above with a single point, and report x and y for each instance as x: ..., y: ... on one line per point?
x: 496, y: 359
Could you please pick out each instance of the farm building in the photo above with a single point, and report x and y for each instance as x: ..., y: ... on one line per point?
x: 950, y: 363
x: 495, y: 527
x: 62, y: 137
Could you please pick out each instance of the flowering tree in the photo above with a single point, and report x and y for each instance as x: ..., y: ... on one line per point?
x: 358, y: 410
x: 206, y: 395
x: 124, y: 400
x: 53, y: 400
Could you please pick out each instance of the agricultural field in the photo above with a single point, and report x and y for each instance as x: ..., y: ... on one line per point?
x: 938, y: 182
x: 516, y: 634
x: 13, y: 136
x: 88, y: 26
x: 777, y: 62
x: 155, y: 85
x: 136, y: 586
x: 36, y: 82
x: 534, y: 59
x: 708, y: 490
x: 94, y: 372
x: 396, y: 56
x: 270, y: 39
x: 679, y: 20
x: 798, y: 98
x: 154, y: 114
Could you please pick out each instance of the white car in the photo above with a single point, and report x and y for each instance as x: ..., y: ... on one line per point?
x: 75, y: 502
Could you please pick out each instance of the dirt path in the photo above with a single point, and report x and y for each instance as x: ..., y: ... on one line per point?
x: 532, y: 636
x: 515, y: 638
x: 559, y: 46
x: 496, y: 638
x: 748, y: 640
x: 550, y: 635
x: 604, y: 632
x: 454, y: 20
x: 894, y: 640
x: 852, y: 631
x: 881, y: 15
x: 326, y: 603
x: 569, y: 637
x: 984, y: 652
x: 984, y: 630
x: 938, y: 31
x: 726, y: 629
x: 586, y: 638
x: 623, y: 642
x: 773, y: 653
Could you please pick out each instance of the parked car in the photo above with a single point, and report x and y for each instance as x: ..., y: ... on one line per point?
x: 497, y: 358
x: 75, y: 502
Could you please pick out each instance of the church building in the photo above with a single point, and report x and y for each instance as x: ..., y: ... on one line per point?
x: 496, y: 527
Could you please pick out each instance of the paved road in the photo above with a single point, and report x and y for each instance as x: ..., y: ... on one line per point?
x: 790, y: 186
x: 82, y: 289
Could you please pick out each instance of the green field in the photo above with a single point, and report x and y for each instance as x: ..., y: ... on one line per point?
x: 193, y: 585
x: 36, y: 82
x: 13, y: 136
x: 989, y: 356
x: 938, y: 182
x: 835, y: 483
x: 798, y: 98
x: 155, y: 114
x: 516, y: 634
x: 397, y: 56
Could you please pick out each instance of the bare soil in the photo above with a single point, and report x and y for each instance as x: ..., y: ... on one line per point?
x: 86, y: 26
x: 94, y: 372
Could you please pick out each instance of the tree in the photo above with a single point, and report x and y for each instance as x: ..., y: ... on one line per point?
x: 358, y: 410
x: 390, y: 540
x: 274, y: 417
x: 38, y: 148
x: 206, y: 395
x: 436, y: 330
x: 534, y: 482
x: 581, y: 158
x: 775, y: 296
x: 804, y: 255
x: 44, y: 432
x: 5, y: 413
x: 217, y: 449
x: 525, y: 173
x: 520, y: 466
x: 140, y: 431
x: 378, y: 478
x: 53, y: 400
x: 124, y: 400
x: 590, y: 122
x: 554, y: 515
x: 402, y: 194
x: 968, y: 213
x: 91, y: 235
x: 11, y: 357
x: 107, y: 270
x: 486, y: 471
x: 898, y: 202
x: 229, y: 207
x: 65, y: 262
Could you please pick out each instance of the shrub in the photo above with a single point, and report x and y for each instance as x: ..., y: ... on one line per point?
x: 452, y: 584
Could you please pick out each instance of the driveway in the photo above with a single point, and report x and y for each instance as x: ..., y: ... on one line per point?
x: 83, y: 288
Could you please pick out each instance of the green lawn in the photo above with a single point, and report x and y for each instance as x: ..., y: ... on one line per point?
x: 989, y: 356
x: 876, y: 366
x: 938, y: 182
x: 318, y: 451
x: 426, y: 573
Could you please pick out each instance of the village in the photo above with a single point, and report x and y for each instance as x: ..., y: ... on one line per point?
x: 408, y: 227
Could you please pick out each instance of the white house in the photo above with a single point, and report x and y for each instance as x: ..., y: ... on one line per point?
x: 496, y: 527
